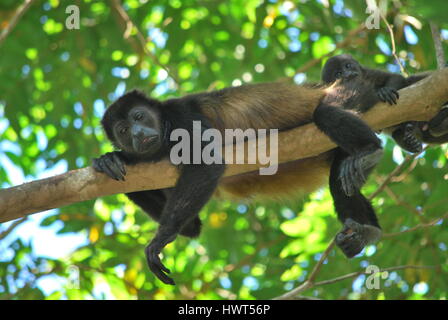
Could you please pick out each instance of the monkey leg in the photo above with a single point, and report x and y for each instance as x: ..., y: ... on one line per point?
x: 356, y: 138
x: 151, y: 201
x: 192, y: 229
x: 361, y: 225
x: 355, y: 236
x: 406, y: 137
x: 184, y: 202
x: 356, y: 168
x: 438, y: 126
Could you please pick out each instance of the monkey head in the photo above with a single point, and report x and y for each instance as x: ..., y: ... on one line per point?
x: 342, y: 67
x: 133, y: 124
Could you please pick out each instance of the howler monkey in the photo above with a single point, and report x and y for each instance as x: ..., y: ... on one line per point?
x: 376, y: 86
x: 141, y: 128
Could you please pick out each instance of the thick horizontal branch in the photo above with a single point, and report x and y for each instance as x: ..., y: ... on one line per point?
x: 418, y: 102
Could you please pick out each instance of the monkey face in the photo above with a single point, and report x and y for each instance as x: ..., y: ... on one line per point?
x: 342, y: 67
x: 139, y: 132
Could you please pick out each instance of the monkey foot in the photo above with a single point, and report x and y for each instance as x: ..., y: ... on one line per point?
x: 355, y: 236
x: 160, y: 271
x: 355, y: 169
x: 410, y: 140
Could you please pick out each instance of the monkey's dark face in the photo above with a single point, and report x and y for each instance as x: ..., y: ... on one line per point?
x: 139, y: 132
x: 342, y: 67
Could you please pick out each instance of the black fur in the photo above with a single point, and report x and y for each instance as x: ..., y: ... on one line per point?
x: 176, y: 209
x: 358, y: 152
x: 141, y: 127
x: 373, y: 86
x: 359, y: 89
x: 353, y: 210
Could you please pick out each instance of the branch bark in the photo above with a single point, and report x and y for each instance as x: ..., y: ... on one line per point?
x: 437, y: 38
x: 15, y: 19
x: 418, y: 102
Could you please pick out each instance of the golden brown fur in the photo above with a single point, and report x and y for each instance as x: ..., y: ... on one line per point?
x: 129, y: 122
x: 262, y: 106
x: 293, y: 180
x: 269, y: 106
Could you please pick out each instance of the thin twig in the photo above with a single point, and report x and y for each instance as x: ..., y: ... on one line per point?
x: 406, y: 172
x: 13, y: 225
x: 322, y: 259
x: 294, y: 293
x: 16, y: 17
x: 392, y: 40
x: 356, y: 274
x: 394, y: 172
x: 404, y: 204
x: 129, y: 25
x: 310, y: 281
x: 417, y: 227
x: 440, y: 55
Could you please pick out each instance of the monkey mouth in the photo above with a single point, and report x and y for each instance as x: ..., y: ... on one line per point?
x: 148, y: 140
x: 146, y: 144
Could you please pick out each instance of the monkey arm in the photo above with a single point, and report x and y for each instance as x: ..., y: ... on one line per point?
x: 387, y: 85
x: 417, y: 77
x: 183, y: 205
x: 111, y: 164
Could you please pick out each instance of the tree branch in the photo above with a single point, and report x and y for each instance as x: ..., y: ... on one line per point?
x: 291, y: 295
x: 437, y: 38
x: 390, y: 176
x: 309, y: 283
x: 16, y: 17
x: 417, y: 227
x: 129, y: 25
x: 418, y: 102
x: 355, y: 274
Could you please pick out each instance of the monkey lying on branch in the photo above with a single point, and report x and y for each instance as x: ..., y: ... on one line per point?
x: 141, y: 128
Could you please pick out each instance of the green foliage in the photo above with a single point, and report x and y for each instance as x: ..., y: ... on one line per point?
x: 56, y: 83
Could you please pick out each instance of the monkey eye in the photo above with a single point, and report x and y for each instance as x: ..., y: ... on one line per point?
x: 138, y: 116
x: 338, y: 74
x: 123, y: 130
x: 348, y: 65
